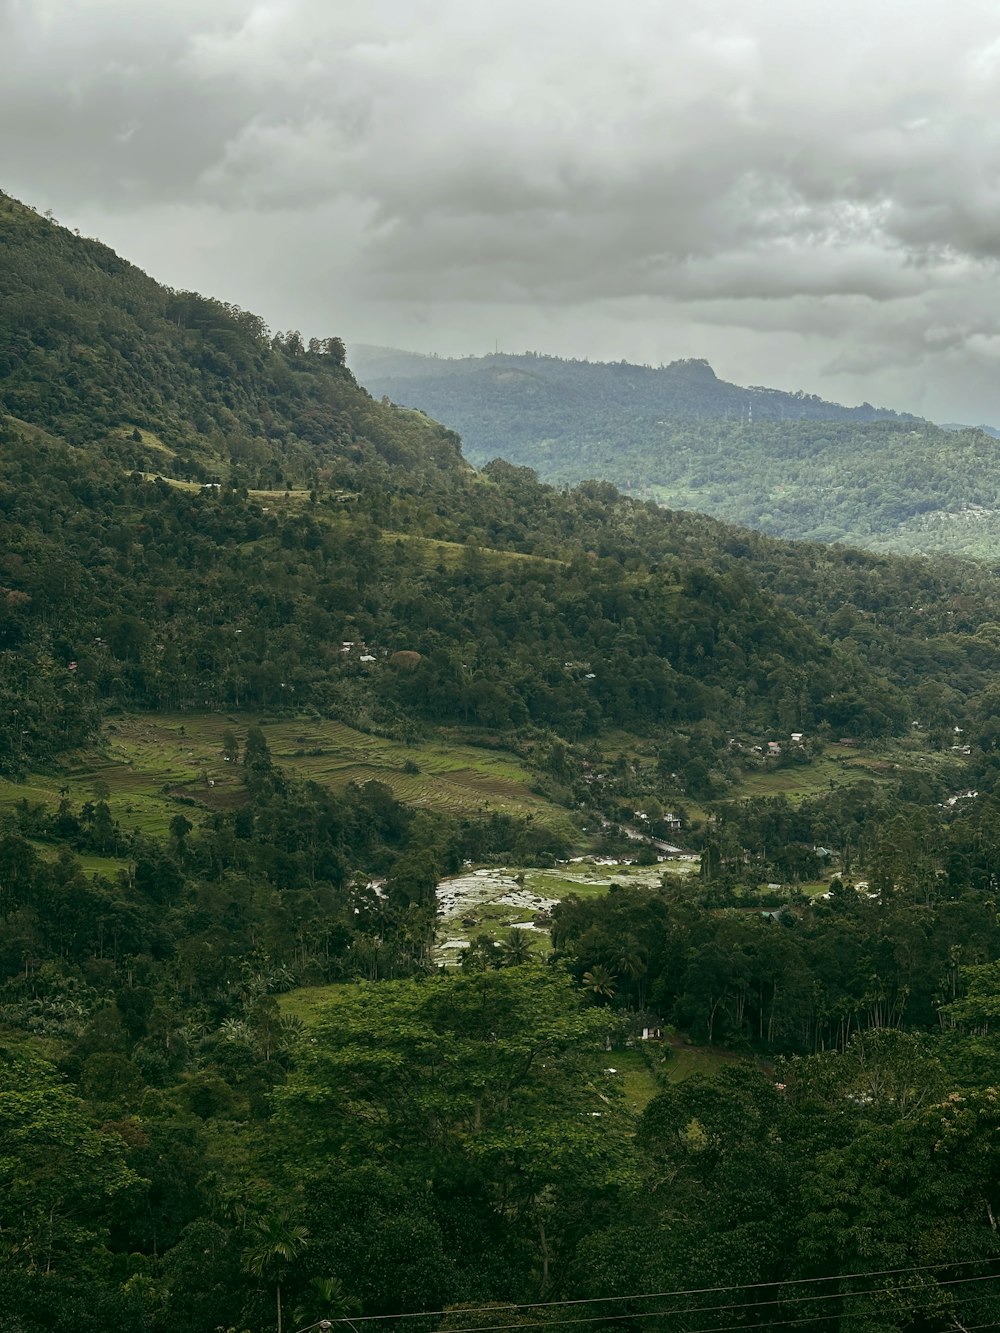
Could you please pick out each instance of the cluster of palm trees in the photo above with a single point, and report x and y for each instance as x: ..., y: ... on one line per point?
x: 276, y: 1241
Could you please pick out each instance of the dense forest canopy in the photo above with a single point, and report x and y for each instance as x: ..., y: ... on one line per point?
x: 236, y: 1091
x: 789, y: 464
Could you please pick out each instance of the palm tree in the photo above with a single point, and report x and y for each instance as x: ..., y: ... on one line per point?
x: 599, y: 982
x: 627, y: 957
x: 275, y: 1243
x: 328, y: 1300
x: 517, y: 948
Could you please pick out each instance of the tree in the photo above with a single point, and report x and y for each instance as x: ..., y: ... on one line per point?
x: 329, y: 1300
x: 516, y: 949
x: 59, y: 1176
x: 489, y: 1084
x: 180, y: 827
x: 335, y: 349
x: 256, y: 754
x: 276, y: 1242
x: 599, y: 983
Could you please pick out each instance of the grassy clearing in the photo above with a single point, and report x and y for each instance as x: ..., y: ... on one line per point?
x: 845, y: 766
x: 638, y: 1081
x: 91, y: 864
x: 149, y: 439
x: 108, y: 866
x: 30, y: 430
x: 157, y: 765
x: 680, y: 869
x: 682, y: 1062
x: 172, y: 481
x: 558, y: 886
x: 812, y: 888
x: 271, y: 499
x: 589, y: 880
x: 806, y: 780
x: 312, y: 1004
x: 434, y: 551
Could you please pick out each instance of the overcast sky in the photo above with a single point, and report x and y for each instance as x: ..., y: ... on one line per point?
x: 805, y: 193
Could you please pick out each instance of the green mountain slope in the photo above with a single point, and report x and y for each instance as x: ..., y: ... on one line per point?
x: 123, y: 591
x: 788, y: 464
x: 516, y: 608
x: 97, y: 353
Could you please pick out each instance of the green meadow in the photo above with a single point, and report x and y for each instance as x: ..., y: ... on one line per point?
x: 844, y: 766
x: 156, y: 764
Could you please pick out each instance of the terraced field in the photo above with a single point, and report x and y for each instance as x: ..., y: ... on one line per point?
x: 844, y: 766
x: 155, y: 764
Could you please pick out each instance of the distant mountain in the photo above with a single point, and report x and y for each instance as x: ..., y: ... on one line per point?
x: 956, y: 425
x: 790, y: 464
x: 688, y: 388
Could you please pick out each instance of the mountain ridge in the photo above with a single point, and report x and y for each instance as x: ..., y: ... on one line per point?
x: 376, y: 363
x: 791, y: 465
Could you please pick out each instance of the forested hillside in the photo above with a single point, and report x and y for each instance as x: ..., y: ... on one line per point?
x: 236, y: 1090
x: 688, y: 388
x: 96, y: 353
x: 788, y: 464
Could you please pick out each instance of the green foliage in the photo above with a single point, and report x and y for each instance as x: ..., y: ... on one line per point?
x: 484, y: 1084
x: 95, y: 352
x: 180, y: 1151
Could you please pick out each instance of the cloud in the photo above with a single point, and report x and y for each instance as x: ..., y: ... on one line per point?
x: 810, y: 176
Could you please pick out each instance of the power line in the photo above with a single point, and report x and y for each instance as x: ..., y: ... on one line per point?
x: 822, y: 1319
x: 667, y: 1295
x: 831, y: 1296
x: 718, y: 1309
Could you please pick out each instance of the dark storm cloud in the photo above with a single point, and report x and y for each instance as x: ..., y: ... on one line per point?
x: 760, y: 171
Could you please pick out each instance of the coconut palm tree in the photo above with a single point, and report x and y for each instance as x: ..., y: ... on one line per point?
x: 516, y: 949
x: 627, y: 957
x: 327, y: 1300
x: 599, y: 983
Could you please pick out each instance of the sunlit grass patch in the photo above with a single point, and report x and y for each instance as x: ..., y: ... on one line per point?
x: 312, y: 1004
x: 638, y: 1081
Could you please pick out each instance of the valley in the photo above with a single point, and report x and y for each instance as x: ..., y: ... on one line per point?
x: 426, y: 888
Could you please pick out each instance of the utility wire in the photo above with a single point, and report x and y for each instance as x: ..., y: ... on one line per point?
x: 717, y: 1309
x: 816, y: 1319
x: 667, y: 1295
x: 819, y: 1319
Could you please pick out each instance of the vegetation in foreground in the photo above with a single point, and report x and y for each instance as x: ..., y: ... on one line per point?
x: 245, y: 1051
